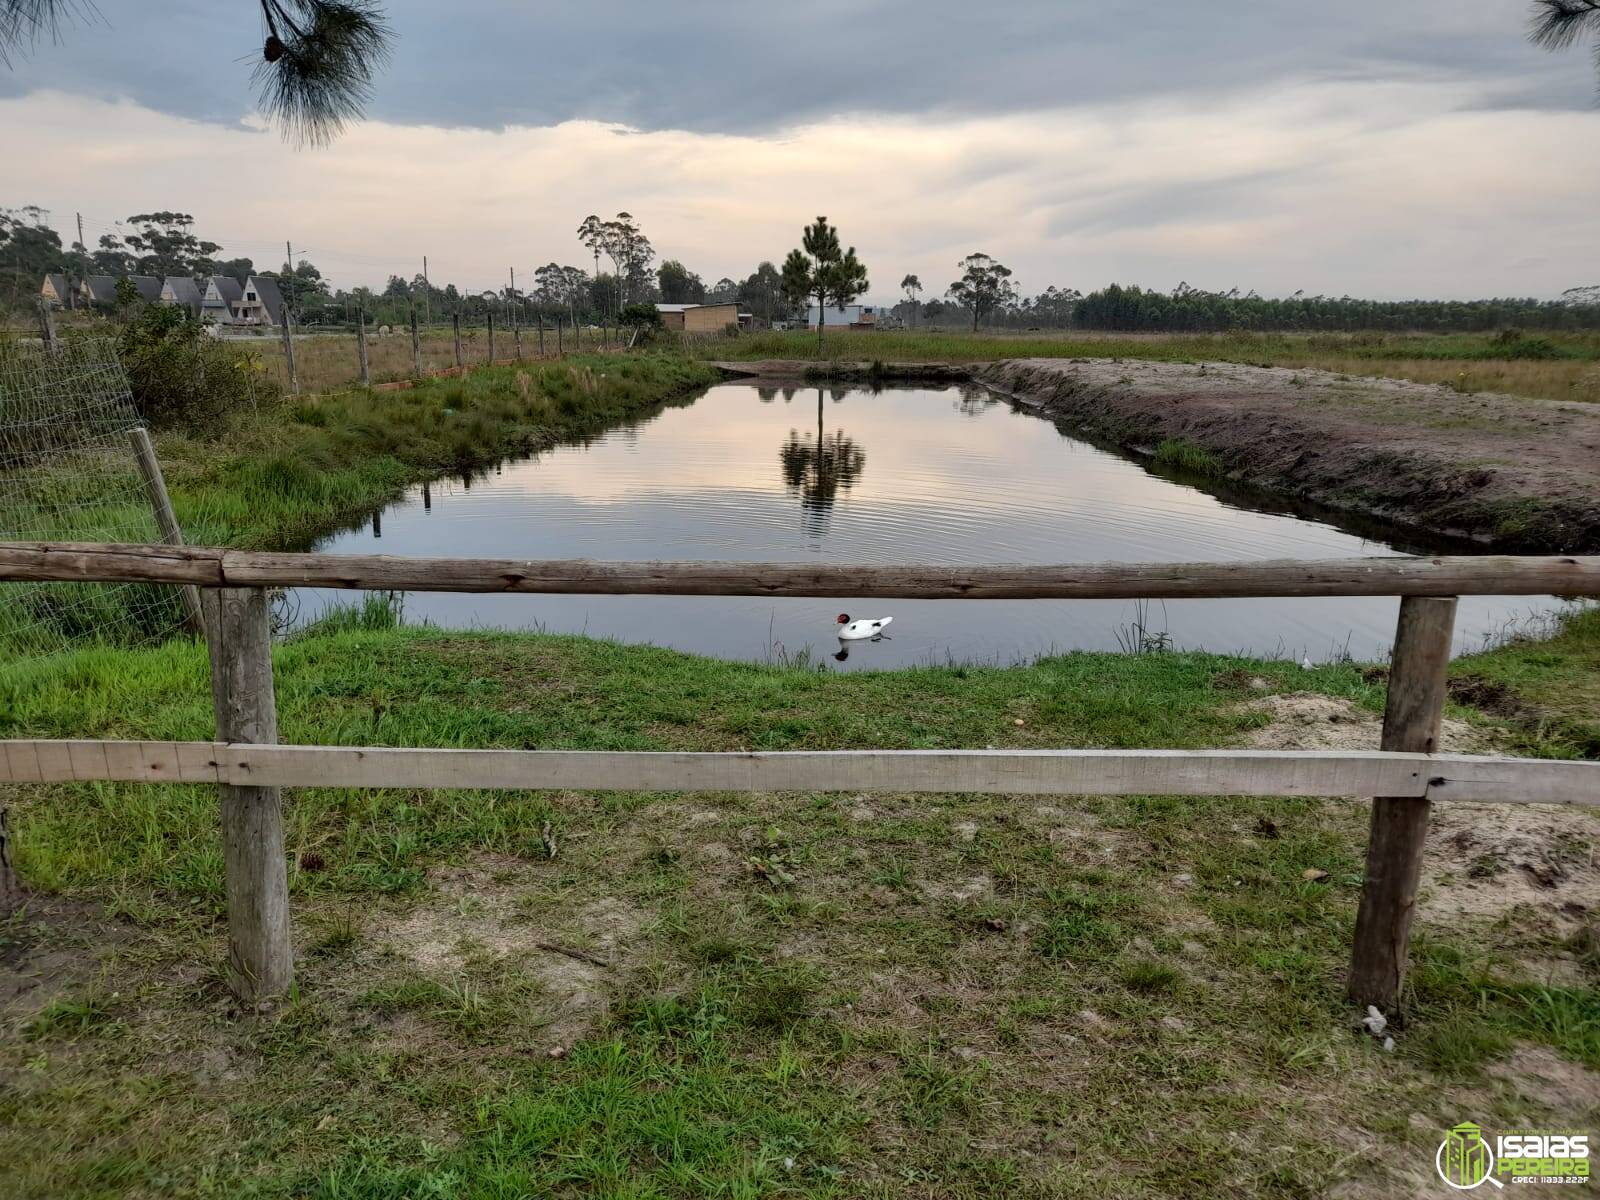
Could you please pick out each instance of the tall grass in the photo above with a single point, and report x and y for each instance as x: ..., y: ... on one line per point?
x: 282, y: 476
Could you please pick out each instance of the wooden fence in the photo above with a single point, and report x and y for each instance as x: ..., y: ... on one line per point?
x: 249, y: 767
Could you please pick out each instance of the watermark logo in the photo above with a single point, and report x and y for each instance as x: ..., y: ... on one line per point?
x: 1466, y: 1160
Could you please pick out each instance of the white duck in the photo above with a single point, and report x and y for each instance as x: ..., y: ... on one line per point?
x: 854, y: 631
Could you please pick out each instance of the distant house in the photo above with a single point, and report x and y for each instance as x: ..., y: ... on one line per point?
x: 262, y: 304
x: 219, y: 303
x: 851, y: 316
x: 698, y: 318
x: 182, y: 291
x: 148, y: 287
x: 99, y: 290
x: 56, y: 292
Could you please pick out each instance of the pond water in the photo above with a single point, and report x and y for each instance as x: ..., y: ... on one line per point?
x: 940, y: 476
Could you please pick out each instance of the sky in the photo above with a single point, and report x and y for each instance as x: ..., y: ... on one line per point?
x: 1374, y: 149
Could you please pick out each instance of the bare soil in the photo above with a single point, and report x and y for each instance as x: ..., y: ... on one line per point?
x: 1515, y: 473
x: 1485, y: 863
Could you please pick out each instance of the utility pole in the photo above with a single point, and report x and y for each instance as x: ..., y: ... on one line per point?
x: 83, y: 248
x: 288, y: 264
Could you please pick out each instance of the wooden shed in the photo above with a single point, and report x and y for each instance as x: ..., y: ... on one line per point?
x: 698, y: 318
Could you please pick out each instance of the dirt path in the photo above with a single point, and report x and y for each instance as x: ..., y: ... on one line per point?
x: 1514, y: 473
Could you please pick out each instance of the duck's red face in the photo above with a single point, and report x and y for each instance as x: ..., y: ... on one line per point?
x: 844, y: 619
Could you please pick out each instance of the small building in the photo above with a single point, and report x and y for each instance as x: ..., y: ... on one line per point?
x: 262, y: 303
x: 219, y: 303
x: 698, y: 318
x: 148, y: 287
x: 100, y: 290
x: 850, y: 316
x: 181, y: 291
x: 56, y: 291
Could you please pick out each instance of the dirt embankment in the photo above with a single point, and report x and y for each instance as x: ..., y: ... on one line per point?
x: 1514, y: 473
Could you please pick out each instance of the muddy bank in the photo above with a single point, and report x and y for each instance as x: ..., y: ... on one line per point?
x: 1512, y: 473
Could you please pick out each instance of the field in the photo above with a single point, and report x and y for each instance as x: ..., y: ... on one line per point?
x: 823, y: 996
x: 1551, y: 366
x: 330, y: 361
x: 875, y: 995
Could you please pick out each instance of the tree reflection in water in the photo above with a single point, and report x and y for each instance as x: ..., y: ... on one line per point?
x: 818, y: 469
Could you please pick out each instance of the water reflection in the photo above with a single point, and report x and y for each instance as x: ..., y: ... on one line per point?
x: 818, y: 469
x: 957, y: 477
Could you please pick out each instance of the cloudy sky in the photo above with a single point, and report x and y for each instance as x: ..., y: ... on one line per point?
x: 1366, y: 147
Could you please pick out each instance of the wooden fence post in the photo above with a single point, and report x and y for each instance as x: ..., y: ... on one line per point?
x: 416, y: 345
x: 260, y: 953
x: 491, y: 340
x: 541, y: 335
x: 361, y: 348
x: 457, y: 320
x: 10, y: 887
x: 155, y: 486
x: 559, y: 350
x: 1412, y: 717
x: 288, y: 347
x: 47, y: 327
x: 516, y: 335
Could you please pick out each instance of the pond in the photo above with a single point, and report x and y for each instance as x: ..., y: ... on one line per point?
x: 848, y: 474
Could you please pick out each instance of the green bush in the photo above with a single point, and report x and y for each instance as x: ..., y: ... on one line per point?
x: 180, y: 376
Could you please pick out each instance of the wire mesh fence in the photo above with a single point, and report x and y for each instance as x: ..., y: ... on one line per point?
x: 68, y: 473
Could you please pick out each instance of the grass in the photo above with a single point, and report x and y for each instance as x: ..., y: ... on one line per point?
x: 1550, y: 686
x: 280, y: 476
x: 326, y: 362
x: 802, y: 995
x: 1188, y: 457
x: 1550, y: 366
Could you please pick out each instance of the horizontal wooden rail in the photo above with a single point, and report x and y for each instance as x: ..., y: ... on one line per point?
x: 1016, y: 772
x: 1462, y: 575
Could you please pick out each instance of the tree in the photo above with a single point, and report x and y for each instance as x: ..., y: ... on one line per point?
x: 725, y: 291
x: 818, y: 269
x: 679, y: 285
x: 984, y: 286
x: 592, y: 233
x: 1558, y: 24
x: 316, y: 66
x: 28, y: 248
x: 235, y: 268
x: 304, y: 289
x: 763, y: 293
x: 165, y: 244
x: 911, y: 285
x: 630, y: 252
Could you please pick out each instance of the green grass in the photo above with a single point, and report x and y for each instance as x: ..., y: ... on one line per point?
x: 283, y: 476
x: 1547, y: 683
x: 1187, y: 457
x: 801, y: 995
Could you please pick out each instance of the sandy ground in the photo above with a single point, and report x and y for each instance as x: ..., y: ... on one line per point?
x: 1485, y: 862
x: 1517, y: 473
